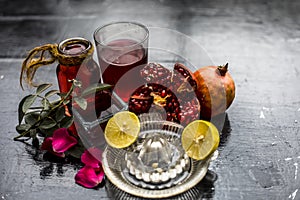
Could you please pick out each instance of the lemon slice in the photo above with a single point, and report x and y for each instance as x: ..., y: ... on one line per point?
x: 200, y: 139
x: 122, y: 129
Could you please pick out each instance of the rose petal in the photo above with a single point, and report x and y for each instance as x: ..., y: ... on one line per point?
x: 47, y: 145
x: 62, y: 141
x: 96, y: 152
x: 89, y: 158
x: 89, y: 177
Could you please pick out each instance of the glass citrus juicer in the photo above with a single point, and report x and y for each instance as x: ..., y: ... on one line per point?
x: 156, y: 160
x: 155, y: 165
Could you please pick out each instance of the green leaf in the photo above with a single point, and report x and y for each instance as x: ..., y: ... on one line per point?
x: 20, y: 109
x: 29, y: 100
x: 81, y: 102
x: 66, y: 122
x: 51, y: 93
x: 44, y: 113
x: 41, y: 88
x: 46, y: 104
x: 95, y: 88
x: 60, y: 114
x: 47, y: 123
x: 33, y: 133
x: 76, y: 151
x: 48, y: 132
x: 22, y: 128
x: 55, y: 103
x: 31, y: 118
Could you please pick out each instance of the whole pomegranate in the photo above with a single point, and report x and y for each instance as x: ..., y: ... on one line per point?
x: 215, y: 90
x: 181, y: 103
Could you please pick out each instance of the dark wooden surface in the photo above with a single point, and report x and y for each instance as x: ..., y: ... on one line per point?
x: 260, y: 152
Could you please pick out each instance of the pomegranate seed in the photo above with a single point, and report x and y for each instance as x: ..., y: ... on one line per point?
x: 163, y: 93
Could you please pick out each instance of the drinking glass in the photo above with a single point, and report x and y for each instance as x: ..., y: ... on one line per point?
x: 122, y: 49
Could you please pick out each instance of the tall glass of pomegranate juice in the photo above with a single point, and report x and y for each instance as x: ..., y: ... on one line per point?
x: 122, y: 49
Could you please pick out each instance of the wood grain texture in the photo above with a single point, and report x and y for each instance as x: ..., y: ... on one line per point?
x: 260, y: 150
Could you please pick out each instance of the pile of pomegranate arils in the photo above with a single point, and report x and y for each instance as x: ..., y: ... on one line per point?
x: 182, y: 96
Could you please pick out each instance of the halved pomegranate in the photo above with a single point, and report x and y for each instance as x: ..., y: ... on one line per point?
x: 154, y: 97
x: 181, y: 106
x: 156, y: 73
x: 181, y: 80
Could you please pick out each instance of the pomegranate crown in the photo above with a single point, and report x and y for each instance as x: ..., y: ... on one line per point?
x: 223, y: 69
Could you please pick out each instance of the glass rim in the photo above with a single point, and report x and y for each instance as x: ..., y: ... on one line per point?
x: 121, y: 22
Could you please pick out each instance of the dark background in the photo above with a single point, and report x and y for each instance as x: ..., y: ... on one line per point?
x: 260, y: 150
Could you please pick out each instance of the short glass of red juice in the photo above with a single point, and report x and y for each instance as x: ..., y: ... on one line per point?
x: 122, y: 49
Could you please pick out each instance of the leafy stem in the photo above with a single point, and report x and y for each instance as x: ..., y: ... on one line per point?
x: 50, y: 116
x: 54, y: 106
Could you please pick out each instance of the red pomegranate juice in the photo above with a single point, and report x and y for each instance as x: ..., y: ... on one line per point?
x: 120, y: 65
